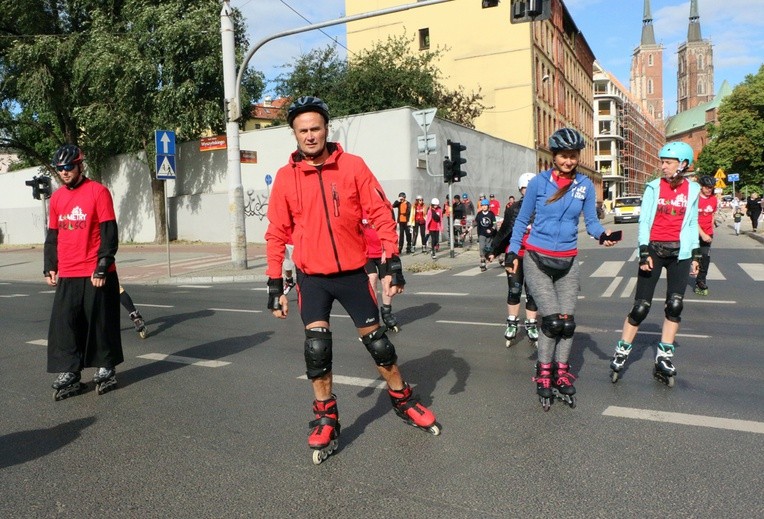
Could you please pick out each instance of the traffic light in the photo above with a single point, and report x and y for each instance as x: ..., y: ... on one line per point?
x: 43, y: 186
x: 457, y: 161
x: 530, y: 10
x: 448, y: 175
x: 35, y: 187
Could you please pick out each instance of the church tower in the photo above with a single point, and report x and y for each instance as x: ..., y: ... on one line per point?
x: 647, y: 69
x: 695, y: 72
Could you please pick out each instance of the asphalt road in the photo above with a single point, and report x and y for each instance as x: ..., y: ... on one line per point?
x: 210, y: 419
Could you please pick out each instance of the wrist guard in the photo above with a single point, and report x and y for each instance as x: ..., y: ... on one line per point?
x: 644, y: 253
x: 696, y: 255
x: 509, y: 259
x: 395, y: 271
x: 101, y: 269
x: 275, y: 291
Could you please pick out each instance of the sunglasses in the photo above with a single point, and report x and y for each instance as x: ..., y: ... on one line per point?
x: 66, y: 167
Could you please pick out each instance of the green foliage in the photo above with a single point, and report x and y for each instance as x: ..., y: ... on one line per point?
x: 105, y: 75
x: 388, y: 75
x: 736, y: 143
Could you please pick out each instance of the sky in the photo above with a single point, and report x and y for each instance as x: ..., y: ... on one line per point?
x: 612, y: 28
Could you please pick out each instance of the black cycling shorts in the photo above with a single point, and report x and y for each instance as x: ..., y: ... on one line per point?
x: 375, y: 266
x: 352, y: 289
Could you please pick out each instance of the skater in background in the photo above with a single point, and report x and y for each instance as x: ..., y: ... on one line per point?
x: 459, y: 218
x: 135, y: 315
x: 668, y: 239
x: 419, y: 211
x: 434, y: 224
x: 79, y: 255
x: 494, y: 205
x: 516, y: 279
x: 557, y: 198
x: 737, y: 218
x: 404, y: 218
x: 753, y: 210
x: 486, y: 229
x: 376, y: 269
x: 707, y: 207
x: 330, y: 255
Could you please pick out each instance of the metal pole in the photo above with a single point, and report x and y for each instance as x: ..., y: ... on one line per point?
x: 167, y: 224
x: 235, y: 188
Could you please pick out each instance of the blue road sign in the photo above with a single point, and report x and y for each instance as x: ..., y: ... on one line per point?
x: 166, y: 167
x: 733, y: 177
x: 268, y: 180
x: 165, y: 142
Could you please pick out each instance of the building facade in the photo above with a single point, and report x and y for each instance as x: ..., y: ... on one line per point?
x: 534, y: 77
x: 695, y: 66
x: 647, y: 69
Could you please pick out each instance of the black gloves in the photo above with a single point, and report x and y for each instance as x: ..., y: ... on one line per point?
x: 696, y: 255
x: 275, y: 291
x: 101, y: 268
x: 395, y: 271
x: 643, y: 254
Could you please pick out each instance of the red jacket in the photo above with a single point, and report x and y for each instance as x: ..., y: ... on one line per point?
x: 322, y: 209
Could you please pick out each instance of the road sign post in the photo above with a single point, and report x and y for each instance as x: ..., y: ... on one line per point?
x: 165, y: 169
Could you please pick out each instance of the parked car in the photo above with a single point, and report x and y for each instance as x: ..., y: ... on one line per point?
x: 626, y: 209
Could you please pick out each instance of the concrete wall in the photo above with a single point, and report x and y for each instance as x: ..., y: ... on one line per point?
x: 198, y: 198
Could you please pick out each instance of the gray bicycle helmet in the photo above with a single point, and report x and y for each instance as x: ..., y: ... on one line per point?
x: 67, y: 154
x: 706, y: 181
x: 566, y: 139
x: 307, y: 104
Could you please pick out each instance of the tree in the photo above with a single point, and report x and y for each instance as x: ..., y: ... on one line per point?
x: 736, y: 143
x: 388, y: 75
x: 105, y: 75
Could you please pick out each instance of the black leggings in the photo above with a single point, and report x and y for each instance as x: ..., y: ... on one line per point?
x: 677, y: 272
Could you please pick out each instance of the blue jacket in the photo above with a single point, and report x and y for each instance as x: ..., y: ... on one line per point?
x: 688, y: 235
x: 555, y: 226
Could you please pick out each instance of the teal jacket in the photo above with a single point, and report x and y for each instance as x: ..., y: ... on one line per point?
x: 688, y: 235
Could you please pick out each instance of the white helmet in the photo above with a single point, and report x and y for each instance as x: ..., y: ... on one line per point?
x: 524, y: 179
x: 435, y: 201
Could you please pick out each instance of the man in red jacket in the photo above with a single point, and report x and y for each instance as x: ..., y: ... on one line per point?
x: 318, y: 198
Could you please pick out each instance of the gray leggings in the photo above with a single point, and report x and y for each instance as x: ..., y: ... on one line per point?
x: 553, y: 297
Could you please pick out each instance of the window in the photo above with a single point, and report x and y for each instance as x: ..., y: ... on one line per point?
x: 424, y: 39
x: 701, y: 88
x: 649, y: 86
x: 649, y: 60
x: 700, y: 62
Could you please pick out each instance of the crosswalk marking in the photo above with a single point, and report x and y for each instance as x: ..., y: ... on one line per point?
x: 185, y: 360
x: 355, y: 381
x: 236, y: 310
x: 629, y: 288
x: 39, y: 342
x: 608, y: 269
x: 10, y: 296
x: 714, y: 274
x: 755, y: 270
x: 430, y: 272
x: 613, y: 285
x: 471, y: 272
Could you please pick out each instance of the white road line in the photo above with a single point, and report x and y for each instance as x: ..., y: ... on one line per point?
x: 183, y: 262
x: 9, y: 296
x: 194, y: 286
x: 685, y: 419
x: 755, y: 270
x: 688, y: 335
x: 469, y: 272
x: 154, y: 306
x: 634, y: 255
x: 39, y: 342
x: 260, y: 289
x: 629, y: 288
x: 500, y: 325
x: 46, y: 292
x: 712, y: 301
x: 714, y: 273
x: 235, y: 310
x: 184, y: 360
x: 456, y: 294
x: 608, y: 269
x: 430, y: 272
x: 612, y: 286
x: 355, y: 381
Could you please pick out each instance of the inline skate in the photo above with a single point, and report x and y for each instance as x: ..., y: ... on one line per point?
x: 325, y: 436
x: 412, y: 411
x: 105, y: 380
x: 483, y: 267
x: 140, y: 324
x: 67, y: 384
x: 664, y: 370
x: 622, y: 351
x: 543, y: 380
x: 511, y: 332
x: 701, y: 288
x: 532, y: 329
x: 388, y: 317
x: 562, y: 384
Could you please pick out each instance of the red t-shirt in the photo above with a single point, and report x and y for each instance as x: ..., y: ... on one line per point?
x: 495, y: 206
x: 672, y: 205
x: 77, y: 214
x: 706, y: 209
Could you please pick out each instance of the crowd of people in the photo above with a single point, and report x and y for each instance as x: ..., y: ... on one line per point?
x: 351, y: 253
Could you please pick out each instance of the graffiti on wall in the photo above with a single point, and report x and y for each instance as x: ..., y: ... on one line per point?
x: 257, y: 205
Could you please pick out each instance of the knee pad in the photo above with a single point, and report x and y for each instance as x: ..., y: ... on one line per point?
x: 568, y: 327
x: 318, y: 352
x: 380, y: 347
x: 674, y: 308
x: 639, y: 312
x: 515, y: 289
x: 552, y: 325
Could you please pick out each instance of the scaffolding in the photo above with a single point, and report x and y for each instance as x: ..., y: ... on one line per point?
x: 642, y: 139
